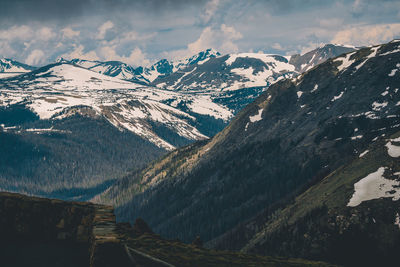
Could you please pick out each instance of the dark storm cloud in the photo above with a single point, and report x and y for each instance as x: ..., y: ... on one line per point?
x: 23, y: 11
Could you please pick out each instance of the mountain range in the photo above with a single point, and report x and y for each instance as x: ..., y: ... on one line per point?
x: 56, y: 116
x: 309, y: 169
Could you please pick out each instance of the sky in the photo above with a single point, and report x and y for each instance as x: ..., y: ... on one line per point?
x: 139, y: 33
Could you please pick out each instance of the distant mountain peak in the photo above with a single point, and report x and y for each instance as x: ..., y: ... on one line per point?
x: 9, y: 65
x: 306, y: 61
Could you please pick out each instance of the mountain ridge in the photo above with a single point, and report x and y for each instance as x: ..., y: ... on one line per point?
x: 55, y: 101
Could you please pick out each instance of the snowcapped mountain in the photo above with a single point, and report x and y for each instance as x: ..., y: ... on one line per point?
x: 10, y: 68
x: 164, y: 68
x: 228, y: 73
x: 111, y: 68
x: 235, y: 80
x: 317, y: 56
x: 52, y: 91
x: 193, y: 97
x: 143, y: 75
x: 63, y: 114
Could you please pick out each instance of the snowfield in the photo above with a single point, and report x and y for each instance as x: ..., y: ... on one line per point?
x: 393, y: 150
x: 374, y: 186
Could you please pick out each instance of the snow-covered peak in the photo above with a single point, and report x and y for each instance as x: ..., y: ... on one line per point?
x: 317, y: 56
x: 278, y: 63
x: 111, y: 68
x: 65, y: 76
x: 8, y: 65
x: 199, y: 58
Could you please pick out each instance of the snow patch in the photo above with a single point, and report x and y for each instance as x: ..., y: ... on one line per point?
x: 299, y: 94
x: 346, y: 62
x: 256, y: 117
x: 374, y: 186
x: 337, y: 97
x: 378, y: 106
x: 393, y: 72
x: 315, y: 88
x: 356, y: 137
x: 371, y: 55
x: 393, y: 150
x: 363, y: 154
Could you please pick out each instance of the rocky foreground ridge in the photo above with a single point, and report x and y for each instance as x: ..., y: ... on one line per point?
x: 49, y: 232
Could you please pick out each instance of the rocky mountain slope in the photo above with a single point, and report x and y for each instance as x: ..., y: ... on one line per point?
x: 351, y: 213
x: 295, y: 134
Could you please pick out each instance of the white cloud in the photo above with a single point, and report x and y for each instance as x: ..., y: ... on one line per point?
x: 69, y: 33
x: 45, y: 34
x: 102, y: 30
x: 328, y: 23
x: 35, y: 57
x: 222, y: 39
x: 135, y: 58
x: 367, y: 34
x: 78, y: 52
x: 134, y: 36
x: 6, y: 50
x: 17, y: 33
x: 127, y: 38
x: 277, y: 46
x: 209, y: 11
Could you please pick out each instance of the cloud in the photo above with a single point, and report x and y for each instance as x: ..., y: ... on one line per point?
x: 135, y: 58
x: 35, y: 57
x: 135, y: 36
x: 368, y: 34
x: 45, y: 34
x: 209, y: 11
x: 138, y: 31
x: 6, y: 50
x: 22, y: 32
x: 69, y: 33
x: 102, y: 30
x: 221, y: 39
x: 25, y: 11
x: 78, y: 52
x: 277, y: 46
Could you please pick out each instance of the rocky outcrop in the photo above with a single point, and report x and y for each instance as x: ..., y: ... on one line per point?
x: 62, y: 226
